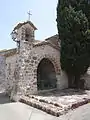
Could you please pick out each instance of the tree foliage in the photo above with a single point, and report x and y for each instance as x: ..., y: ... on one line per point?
x: 73, y: 25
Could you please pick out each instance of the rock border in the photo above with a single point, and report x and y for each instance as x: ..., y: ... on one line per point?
x: 50, y: 107
x: 78, y: 104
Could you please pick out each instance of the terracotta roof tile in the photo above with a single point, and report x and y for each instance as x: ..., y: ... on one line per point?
x: 23, y: 23
x: 9, y: 52
x: 52, y: 41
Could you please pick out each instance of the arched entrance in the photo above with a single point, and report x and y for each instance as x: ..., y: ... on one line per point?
x: 46, y: 76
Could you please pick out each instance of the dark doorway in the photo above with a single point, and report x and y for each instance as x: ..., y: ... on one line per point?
x: 46, y: 76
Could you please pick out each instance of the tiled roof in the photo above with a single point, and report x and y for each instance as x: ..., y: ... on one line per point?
x: 52, y: 41
x: 23, y: 23
x: 1, y: 51
x: 9, y: 52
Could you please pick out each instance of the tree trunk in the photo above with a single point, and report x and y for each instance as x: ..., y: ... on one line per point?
x: 77, y: 80
x: 70, y: 80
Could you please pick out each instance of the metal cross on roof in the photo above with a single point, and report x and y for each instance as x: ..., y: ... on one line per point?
x: 29, y: 14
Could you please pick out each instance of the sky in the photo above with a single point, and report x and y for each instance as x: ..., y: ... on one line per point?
x: 15, y: 11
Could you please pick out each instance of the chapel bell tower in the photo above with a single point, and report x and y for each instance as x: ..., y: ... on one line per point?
x: 24, y: 35
x: 24, y: 32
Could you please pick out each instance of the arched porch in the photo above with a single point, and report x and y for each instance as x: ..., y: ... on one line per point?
x: 46, y: 75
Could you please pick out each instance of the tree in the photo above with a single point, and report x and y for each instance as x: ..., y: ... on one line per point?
x: 73, y: 30
x: 83, y: 5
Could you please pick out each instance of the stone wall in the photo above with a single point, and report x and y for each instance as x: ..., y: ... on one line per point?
x: 29, y: 61
x: 2, y: 73
x: 53, y: 55
x: 86, y: 77
x: 10, y: 72
x: 63, y: 80
x: 46, y: 51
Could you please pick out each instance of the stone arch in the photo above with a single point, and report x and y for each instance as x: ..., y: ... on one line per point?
x: 50, y: 58
x: 46, y: 75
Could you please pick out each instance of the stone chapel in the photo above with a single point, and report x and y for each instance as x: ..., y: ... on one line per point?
x: 33, y: 66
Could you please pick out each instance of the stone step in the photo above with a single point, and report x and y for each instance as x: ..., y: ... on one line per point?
x: 49, y: 108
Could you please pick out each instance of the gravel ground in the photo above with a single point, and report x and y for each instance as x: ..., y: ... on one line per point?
x: 20, y: 111
x: 81, y: 113
x: 58, y: 102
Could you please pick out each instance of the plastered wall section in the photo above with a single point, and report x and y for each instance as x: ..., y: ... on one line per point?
x: 2, y: 73
x: 10, y: 72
